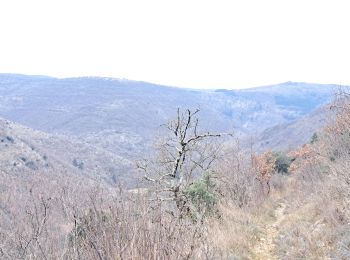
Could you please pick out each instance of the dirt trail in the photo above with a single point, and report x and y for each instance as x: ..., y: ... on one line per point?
x: 265, y: 247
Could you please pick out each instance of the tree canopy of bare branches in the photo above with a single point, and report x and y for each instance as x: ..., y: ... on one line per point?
x: 184, y: 154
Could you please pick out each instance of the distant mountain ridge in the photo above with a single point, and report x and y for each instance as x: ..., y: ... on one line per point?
x: 124, y: 116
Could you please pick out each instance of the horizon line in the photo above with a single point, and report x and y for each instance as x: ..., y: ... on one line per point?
x: 166, y: 85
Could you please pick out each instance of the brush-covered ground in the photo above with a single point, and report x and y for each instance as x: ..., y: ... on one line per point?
x: 200, y: 199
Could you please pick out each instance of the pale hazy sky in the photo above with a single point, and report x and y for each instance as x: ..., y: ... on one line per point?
x: 189, y: 43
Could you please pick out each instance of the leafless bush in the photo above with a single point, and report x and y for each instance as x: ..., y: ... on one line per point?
x: 61, y: 217
x: 240, y: 181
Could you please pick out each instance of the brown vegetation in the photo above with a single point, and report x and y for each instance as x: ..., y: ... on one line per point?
x: 202, y: 198
x: 317, y: 223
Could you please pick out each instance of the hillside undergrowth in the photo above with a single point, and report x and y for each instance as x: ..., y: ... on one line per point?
x: 213, y: 201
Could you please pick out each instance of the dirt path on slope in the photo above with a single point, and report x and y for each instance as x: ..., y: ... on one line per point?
x: 266, y: 246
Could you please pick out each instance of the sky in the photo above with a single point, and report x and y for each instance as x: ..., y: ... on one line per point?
x: 184, y: 43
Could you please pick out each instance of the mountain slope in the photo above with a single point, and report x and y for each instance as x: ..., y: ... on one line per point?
x: 293, y: 134
x: 26, y: 152
x: 124, y: 116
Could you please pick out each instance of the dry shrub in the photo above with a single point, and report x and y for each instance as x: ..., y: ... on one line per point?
x: 317, y: 223
x: 264, y: 164
x: 96, y: 224
x: 57, y: 217
x: 51, y: 217
x: 242, y: 183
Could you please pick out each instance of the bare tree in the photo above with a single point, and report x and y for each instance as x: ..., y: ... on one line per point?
x: 184, y: 155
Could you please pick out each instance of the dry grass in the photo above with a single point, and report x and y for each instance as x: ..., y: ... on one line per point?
x: 259, y: 214
x: 317, y: 221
